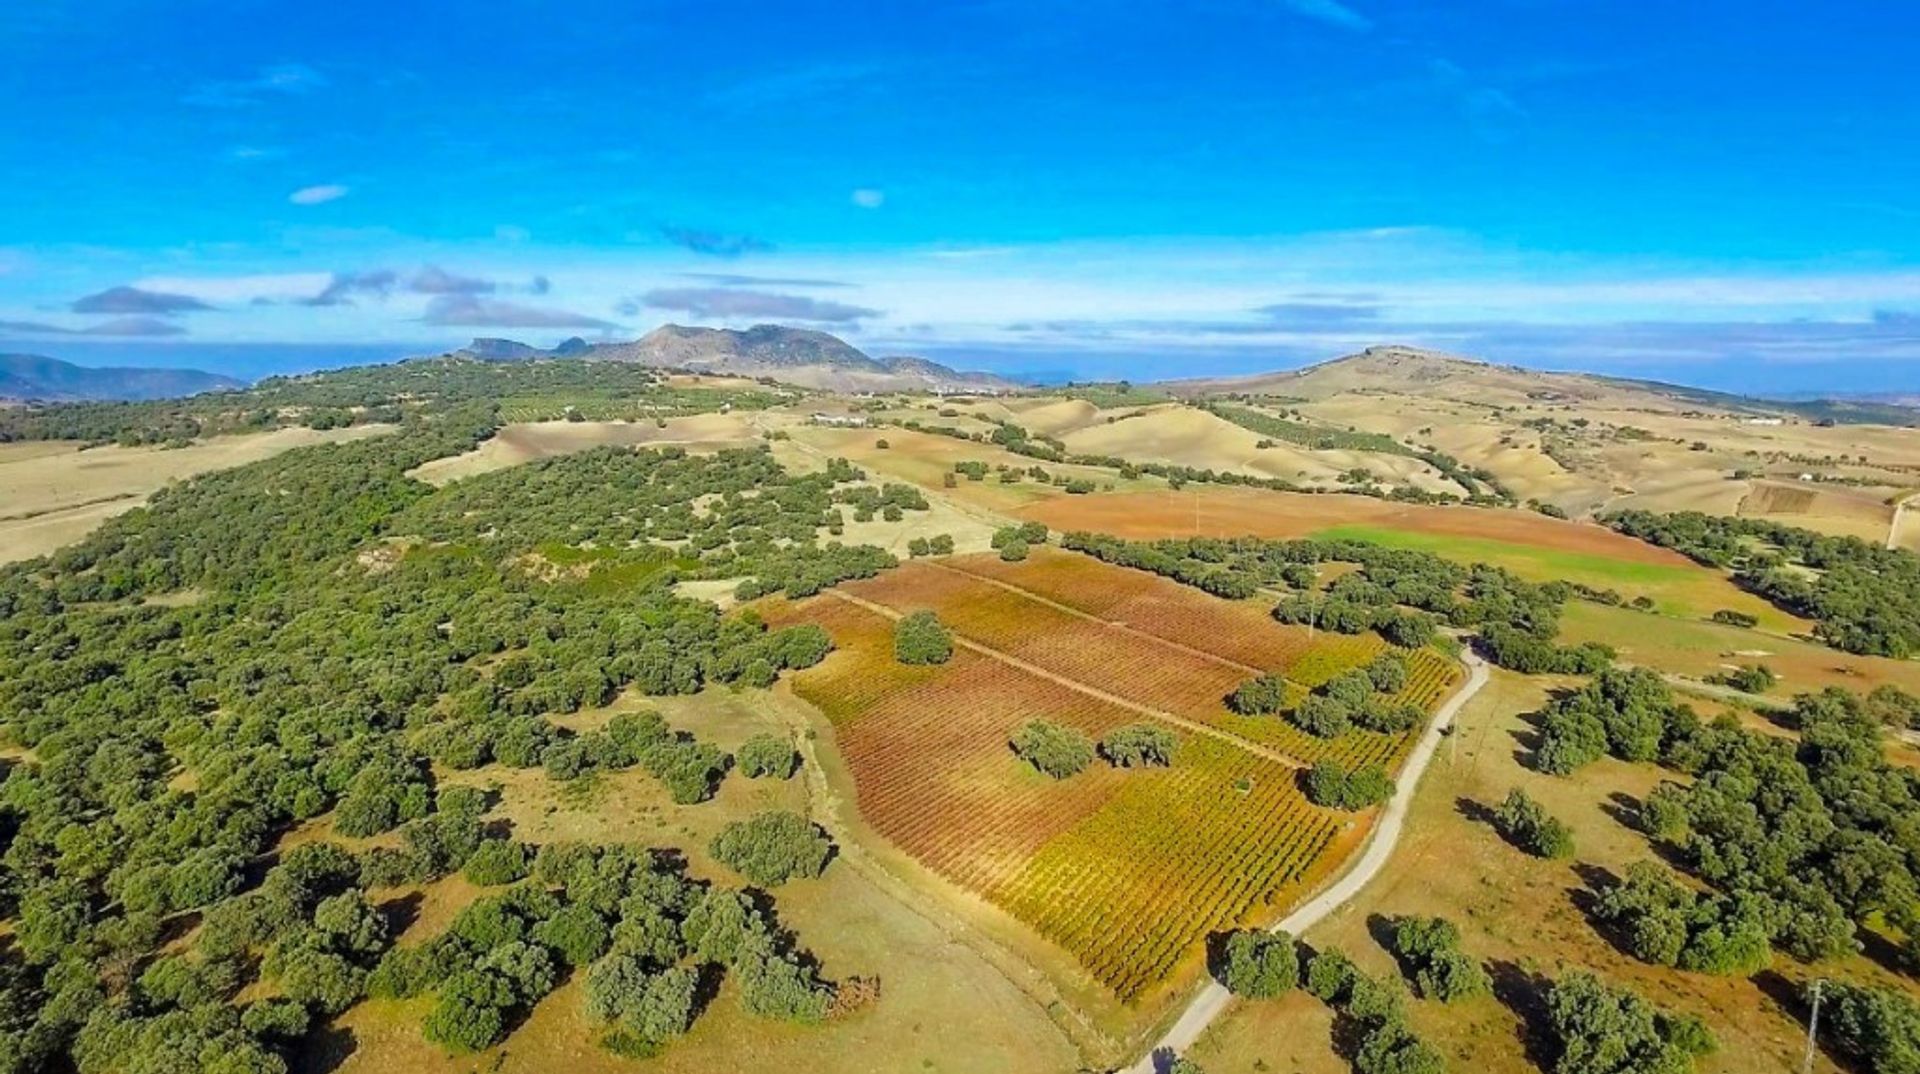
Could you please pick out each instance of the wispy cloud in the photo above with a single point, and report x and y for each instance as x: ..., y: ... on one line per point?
x: 726, y: 302
x: 714, y: 243
x: 473, y: 311
x: 791, y: 84
x: 133, y: 300
x: 149, y: 327
x: 434, y: 280
x: 287, y: 80
x: 734, y: 279
x: 1331, y: 12
x: 1300, y: 313
x: 869, y: 197
x: 346, y: 286
x: 318, y: 195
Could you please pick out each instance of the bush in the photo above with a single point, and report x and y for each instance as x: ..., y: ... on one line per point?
x: 1013, y: 551
x: 1525, y: 824
x: 920, y: 639
x: 1607, y: 1030
x: 1055, y: 750
x: 498, y: 861
x: 1261, y: 696
x: 1429, y: 949
x: 1139, y: 745
x: 1322, y: 716
x: 1258, y: 964
x: 768, y: 755
x: 772, y: 848
x: 1328, y: 784
x: 1732, y: 618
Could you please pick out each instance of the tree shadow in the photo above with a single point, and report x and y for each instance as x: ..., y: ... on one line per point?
x: 1528, y: 738
x: 1625, y: 810
x: 324, y: 1050
x: 1883, y: 952
x: 1472, y: 810
x: 1524, y: 992
x: 1597, y: 880
x: 1790, y: 1002
x: 402, y: 912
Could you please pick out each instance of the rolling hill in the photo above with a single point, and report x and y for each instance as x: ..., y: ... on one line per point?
x: 797, y: 356
x: 36, y: 378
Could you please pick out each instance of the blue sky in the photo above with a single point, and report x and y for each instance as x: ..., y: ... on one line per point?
x: 1710, y: 191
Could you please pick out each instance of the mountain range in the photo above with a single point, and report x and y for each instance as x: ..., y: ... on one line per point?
x: 796, y: 356
x: 36, y: 378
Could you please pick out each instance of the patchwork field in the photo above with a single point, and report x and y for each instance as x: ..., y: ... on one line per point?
x: 1127, y: 870
x: 1533, y: 546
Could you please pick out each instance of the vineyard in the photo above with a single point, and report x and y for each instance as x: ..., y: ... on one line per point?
x: 1129, y: 870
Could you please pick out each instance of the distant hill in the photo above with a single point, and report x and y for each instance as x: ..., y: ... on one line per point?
x: 798, y: 356
x: 1433, y: 374
x: 35, y: 378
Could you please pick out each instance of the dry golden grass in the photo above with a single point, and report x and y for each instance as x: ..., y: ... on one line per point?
x: 53, y: 493
x: 1184, y: 436
x: 527, y: 441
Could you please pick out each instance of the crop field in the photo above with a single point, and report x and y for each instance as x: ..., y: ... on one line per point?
x: 1172, y: 854
x: 1533, y: 546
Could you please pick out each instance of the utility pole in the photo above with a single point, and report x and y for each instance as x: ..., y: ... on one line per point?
x: 1813, y: 1025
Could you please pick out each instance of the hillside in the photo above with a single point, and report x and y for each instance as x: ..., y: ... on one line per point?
x: 1437, y: 375
x: 36, y: 378
x: 797, y: 356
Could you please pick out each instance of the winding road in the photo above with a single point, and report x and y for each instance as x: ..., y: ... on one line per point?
x: 1213, y: 999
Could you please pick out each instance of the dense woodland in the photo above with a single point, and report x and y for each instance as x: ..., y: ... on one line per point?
x: 383, y: 393
x: 307, y: 641
x: 1862, y: 597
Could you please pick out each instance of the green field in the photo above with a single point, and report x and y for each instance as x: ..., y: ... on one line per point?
x: 1678, y: 589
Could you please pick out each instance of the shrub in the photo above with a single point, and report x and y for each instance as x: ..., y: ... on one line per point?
x: 1259, y: 964
x: 1429, y: 948
x: 1139, y: 745
x: 498, y: 861
x: 1261, y: 696
x: 768, y: 755
x: 1058, y: 751
x: 1322, y: 716
x: 1328, y: 784
x: 772, y: 848
x: 1607, y: 1030
x: 920, y: 638
x: 1527, y: 825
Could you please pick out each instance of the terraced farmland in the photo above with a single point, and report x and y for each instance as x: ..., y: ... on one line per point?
x: 1170, y: 854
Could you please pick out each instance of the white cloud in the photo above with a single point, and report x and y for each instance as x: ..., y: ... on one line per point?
x: 318, y: 195
x: 869, y: 197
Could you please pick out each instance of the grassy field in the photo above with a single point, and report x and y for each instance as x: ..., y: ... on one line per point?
x: 53, y: 493
x: 1697, y: 649
x: 1518, y: 913
x: 1125, y: 870
x: 944, y: 1007
x: 1675, y: 588
x: 519, y: 443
